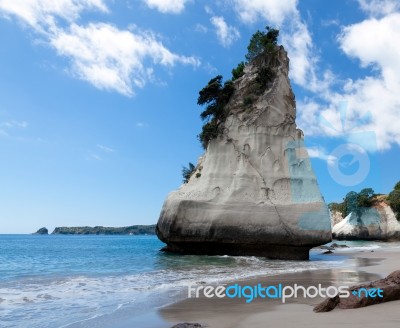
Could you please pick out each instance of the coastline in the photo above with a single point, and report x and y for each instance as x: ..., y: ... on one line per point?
x: 359, y: 267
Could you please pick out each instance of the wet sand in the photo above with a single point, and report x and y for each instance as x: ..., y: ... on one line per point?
x: 361, y: 266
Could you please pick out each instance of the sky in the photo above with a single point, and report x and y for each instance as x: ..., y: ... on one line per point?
x: 98, y: 108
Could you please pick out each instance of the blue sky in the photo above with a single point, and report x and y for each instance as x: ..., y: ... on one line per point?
x: 98, y: 98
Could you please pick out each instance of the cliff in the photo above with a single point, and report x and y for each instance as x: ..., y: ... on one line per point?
x: 254, y: 191
x: 375, y: 223
x: 131, y: 230
x: 336, y: 217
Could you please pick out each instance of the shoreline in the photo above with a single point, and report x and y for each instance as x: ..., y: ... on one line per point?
x: 359, y: 267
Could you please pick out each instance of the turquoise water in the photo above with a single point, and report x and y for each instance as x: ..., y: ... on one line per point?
x: 94, y: 281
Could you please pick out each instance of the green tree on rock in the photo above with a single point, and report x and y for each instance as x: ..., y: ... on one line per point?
x: 215, y: 95
x: 238, y: 71
x: 364, y: 198
x: 262, y: 41
x: 394, y: 200
x: 187, y: 172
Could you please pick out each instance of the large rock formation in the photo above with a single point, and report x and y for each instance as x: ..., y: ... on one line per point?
x: 375, y: 223
x: 254, y: 191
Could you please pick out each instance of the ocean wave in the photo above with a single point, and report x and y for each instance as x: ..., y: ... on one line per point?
x: 82, y: 297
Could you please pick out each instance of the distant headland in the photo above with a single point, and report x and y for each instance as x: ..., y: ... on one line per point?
x: 99, y: 230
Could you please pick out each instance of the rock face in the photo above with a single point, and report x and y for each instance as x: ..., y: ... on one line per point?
x: 42, y: 231
x: 254, y: 191
x: 336, y: 217
x: 375, y: 223
x: 390, y: 290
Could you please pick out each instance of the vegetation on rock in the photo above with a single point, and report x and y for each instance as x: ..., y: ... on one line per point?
x: 238, y: 71
x: 354, y: 202
x: 394, y: 200
x: 187, y: 172
x: 366, y: 198
x: 216, y: 94
x: 262, y: 41
x: 131, y: 230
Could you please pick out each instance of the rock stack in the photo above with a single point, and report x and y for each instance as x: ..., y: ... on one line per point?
x: 253, y: 192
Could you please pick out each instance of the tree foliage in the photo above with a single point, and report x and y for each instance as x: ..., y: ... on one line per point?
x: 215, y: 95
x: 354, y: 202
x: 238, y: 71
x: 187, y: 172
x: 364, y: 197
x: 262, y: 41
x: 264, y: 76
x: 394, y: 200
x: 337, y: 207
x: 209, y: 131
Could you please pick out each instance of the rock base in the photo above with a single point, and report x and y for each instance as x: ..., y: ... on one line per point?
x: 214, y: 248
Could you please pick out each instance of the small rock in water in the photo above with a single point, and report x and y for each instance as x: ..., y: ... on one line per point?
x: 328, y: 252
x: 187, y: 325
x: 335, y: 245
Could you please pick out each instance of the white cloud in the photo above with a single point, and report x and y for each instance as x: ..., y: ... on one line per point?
x: 365, y: 110
x: 41, y: 14
x: 101, y: 54
x: 321, y: 153
x: 95, y: 157
x: 330, y: 22
x: 378, y: 8
x: 226, y: 34
x: 142, y: 125
x: 201, y: 28
x: 208, y: 10
x: 372, y: 42
x: 113, y: 59
x: 298, y: 43
x: 167, y: 6
x: 105, y: 149
x: 272, y: 11
x: 14, y: 124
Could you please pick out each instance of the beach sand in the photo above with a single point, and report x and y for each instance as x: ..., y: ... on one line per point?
x: 360, y: 267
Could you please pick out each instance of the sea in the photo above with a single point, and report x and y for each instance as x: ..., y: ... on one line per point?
x: 103, y: 281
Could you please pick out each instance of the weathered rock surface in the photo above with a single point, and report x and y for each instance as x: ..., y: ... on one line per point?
x: 256, y: 193
x: 336, y: 217
x: 390, y: 287
x: 376, y: 223
x: 42, y: 231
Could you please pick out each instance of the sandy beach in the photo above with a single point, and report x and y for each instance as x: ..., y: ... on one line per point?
x: 358, y: 267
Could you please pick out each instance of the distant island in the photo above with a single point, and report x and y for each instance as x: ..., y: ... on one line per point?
x: 42, y: 231
x: 99, y: 230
